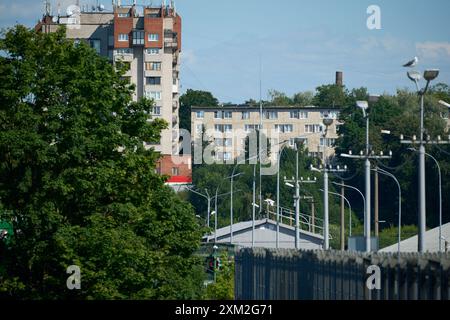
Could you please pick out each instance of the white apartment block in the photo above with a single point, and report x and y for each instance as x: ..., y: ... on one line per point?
x: 224, y: 125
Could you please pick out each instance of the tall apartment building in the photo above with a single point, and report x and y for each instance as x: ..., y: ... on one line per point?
x: 147, y: 40
x: 221, y: 124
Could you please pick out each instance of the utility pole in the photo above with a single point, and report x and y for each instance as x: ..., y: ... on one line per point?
x: 415, y: 76
x: 367, y: 155
x: 325, y: 169
x: 231, y: 202
x: 296, y: 181
x: 376, y: 205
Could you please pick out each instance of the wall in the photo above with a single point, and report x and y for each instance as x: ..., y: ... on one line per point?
x: 266, y: 274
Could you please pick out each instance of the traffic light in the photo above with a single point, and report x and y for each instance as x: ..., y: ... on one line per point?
x: 213, y: 264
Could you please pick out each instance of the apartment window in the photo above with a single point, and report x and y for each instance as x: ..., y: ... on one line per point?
x: 124, y: 51
x: 152, y: 50
x: 228, y: 142
x: 153, y: 37
x: 284, y: 128
x: 227, y: 156
x: 218, y: 142
x: 95, y: 44
x: 223, y: 128
x: 329, y: 114
x: 303, y: 114
x: 200, y: 114
x: 123, y: 37
x: 271, y: 115
x: 154, y: 66
x: 245, y: 115
x: 138, y: 37
x: 291, y: 142
x: 175, y: 171
x: 227, y: 114
x: 155, y: 95
x: 217, y: 114
x: 329, y: 142
x: 124, y: 15
x: 251, y: 127
x: 199, y: 128
x: 156, y: 111
x: 315, y: 155
x: 153, y: 81
x: 294, y: 114
x: 313, y: 128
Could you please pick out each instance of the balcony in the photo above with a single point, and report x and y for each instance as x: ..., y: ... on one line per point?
x: 174, y: 135
x: 174, y: 105
x: 174, y: 120
x: 175, y: 88
x: 171, y: 43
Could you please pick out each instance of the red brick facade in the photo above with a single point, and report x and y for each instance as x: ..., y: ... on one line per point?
x: 123, y: 25
x: 154, y: 25
x: 167, y: 164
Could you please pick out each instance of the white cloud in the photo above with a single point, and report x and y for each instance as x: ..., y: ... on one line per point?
x: 433, y: 50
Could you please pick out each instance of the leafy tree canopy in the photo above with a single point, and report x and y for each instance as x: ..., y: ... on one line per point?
x: 78, y: 184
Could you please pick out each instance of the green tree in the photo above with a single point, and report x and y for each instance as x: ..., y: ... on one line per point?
x: 303, y: 98
x: 330, y: 96
x: 278, y: 98
x: 77, y: 183
x: 195, y: 98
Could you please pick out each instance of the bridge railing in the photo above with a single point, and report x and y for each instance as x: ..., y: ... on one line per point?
x: 269, y: 274
x: 306, y: 222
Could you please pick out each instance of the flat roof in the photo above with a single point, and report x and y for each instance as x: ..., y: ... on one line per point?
x: 251, y: 107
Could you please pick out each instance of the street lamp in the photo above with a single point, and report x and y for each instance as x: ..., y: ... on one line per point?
x: 440, y: 194
x: 295, y: 183
x: 353, y: 188
x: 231, y: 201
x: 415, y: 77
x: 445, y: 104
x: 350, y: 209
x: 386, y: 173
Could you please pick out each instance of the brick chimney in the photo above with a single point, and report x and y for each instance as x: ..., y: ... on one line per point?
x: 339, y: 78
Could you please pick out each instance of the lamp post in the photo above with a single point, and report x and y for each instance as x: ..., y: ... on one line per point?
x: 366, y: 156
x: 233, y: 175
x: 295, y: 183
x: 353, y: 188
x: 386, y: 173
x: 445, y: 104
x: 207, y: 197
x: 415, y: 77
x: 440, y: 195
x: 350, y: 209
x: 327, y: 121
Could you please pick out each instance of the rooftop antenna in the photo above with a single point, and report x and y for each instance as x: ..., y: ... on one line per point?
x: 48, y: 7
x: 260, y: 128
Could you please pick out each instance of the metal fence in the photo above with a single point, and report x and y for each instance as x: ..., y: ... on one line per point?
x: 268, y: 274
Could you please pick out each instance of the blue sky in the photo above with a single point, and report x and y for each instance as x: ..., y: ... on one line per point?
x: 301, y: 43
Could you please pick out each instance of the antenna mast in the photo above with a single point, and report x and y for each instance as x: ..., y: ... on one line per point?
x: 260, y: 135
x: 48, y: 8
